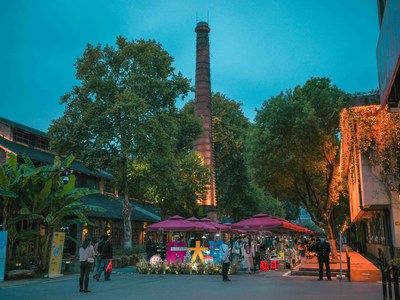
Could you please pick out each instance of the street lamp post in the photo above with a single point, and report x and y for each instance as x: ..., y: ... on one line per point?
x: 340, y: 251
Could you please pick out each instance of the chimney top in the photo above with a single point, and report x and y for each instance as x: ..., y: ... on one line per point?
x: 202, y: 26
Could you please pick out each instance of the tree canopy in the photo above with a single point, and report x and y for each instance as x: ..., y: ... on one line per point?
x: 295, y: 148
x: 123, y: 113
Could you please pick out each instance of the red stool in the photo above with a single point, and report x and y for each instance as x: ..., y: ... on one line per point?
x: 264, y: 265
x: 274, y: 265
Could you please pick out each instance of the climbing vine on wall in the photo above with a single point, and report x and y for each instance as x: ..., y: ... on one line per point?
x: 374, y: 132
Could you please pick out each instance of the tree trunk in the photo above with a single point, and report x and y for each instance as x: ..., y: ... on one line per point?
x: 331, y: 237
x: 126, y: 215
x: 46, y: 248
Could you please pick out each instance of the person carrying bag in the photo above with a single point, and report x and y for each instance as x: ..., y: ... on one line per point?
x: 106, y: 254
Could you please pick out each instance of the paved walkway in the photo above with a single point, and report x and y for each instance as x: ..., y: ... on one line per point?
x: 361, y: 269
x: 262, y: 285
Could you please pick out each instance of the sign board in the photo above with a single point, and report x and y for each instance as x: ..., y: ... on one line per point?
x: 56, y: 254
x: 214, y: 250
x: 197, y: 252
x: 3, y: 251
x: 176, y: 251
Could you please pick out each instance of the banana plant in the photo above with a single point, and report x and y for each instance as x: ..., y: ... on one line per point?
x: 9, y: 175
x: 45, y: 203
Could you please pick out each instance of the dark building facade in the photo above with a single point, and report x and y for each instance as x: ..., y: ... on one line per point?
x: 20, y: 139
x: 388, y: 54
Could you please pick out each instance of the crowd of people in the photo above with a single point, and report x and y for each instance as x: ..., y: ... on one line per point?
x: 247, y: 251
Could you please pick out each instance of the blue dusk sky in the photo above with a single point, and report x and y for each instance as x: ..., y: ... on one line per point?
x: 258, y: 47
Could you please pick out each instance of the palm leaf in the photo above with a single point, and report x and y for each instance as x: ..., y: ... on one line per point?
x: 28, y: 161
x: 68, y: 160
x: 45, y: 192
x: 7, y: 193
x: 27, y: 217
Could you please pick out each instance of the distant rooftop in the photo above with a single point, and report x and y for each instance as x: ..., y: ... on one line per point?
x: 46, y: 157
x: 365, y: 98
x: 24, y: 128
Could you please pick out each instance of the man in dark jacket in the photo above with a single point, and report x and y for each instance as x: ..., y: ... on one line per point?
x: 106, y: 253
x: 323, y: 249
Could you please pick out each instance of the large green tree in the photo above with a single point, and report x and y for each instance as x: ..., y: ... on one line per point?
x: 295, y: 149
x: 122, y: 111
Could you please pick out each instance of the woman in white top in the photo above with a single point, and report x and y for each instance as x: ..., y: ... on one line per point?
x: 248, y: 255
x: 86, y: 257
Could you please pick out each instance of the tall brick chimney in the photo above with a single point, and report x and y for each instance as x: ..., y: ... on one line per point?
x: 202, y: 106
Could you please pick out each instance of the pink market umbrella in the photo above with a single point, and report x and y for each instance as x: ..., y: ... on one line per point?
x: 262, y: 222
x: 202, y: 226
x: 218, y: 225
x: 175, y: 223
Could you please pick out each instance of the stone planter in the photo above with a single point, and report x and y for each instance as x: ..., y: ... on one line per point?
x: 19, y: 274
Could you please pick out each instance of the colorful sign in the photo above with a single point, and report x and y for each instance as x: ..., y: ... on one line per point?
x: 3, y: 248
x: 208, y: 259
x: 56, y: 254
x: 197, y: 252
x: 155, y: 260
x: 176, y: 251
x: 214, y: 250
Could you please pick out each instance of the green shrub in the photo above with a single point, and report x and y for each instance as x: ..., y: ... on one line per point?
x: 124, y: 260
x: 395, y: 261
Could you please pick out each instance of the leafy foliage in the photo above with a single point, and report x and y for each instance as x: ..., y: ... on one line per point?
x: 295, y: 149
x: 43, y: 203
x: 122, y: 118
x: 373, y: 131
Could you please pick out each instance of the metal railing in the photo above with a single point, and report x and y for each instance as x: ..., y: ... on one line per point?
x: 390, y: 278
x: 348, y: 264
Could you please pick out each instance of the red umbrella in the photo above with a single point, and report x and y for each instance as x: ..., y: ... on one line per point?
x: 263, y: 222
x: 175, y: 223
x: 202, y: 226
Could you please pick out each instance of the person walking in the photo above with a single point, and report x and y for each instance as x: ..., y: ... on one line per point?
x: 86, y: 258
x: 323, y: 249
x: 236, y: 249
x: 248, y: 255
x: 106, y: 253
x: 225, y: 257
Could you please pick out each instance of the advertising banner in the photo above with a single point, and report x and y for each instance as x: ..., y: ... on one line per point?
x: 214, y: 250
x: 176, y: 251
x: 56, y: 254
x: 3, y: 251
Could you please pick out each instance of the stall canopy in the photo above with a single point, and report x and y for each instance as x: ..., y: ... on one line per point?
x: 175, y: 223
x: 216, y: 224
x: 262, y: 222
x: 202, y: 225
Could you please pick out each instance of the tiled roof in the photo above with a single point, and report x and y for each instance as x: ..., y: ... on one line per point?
x: 114, y: 206
x: 24, y: 128
x: 46, y: 157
